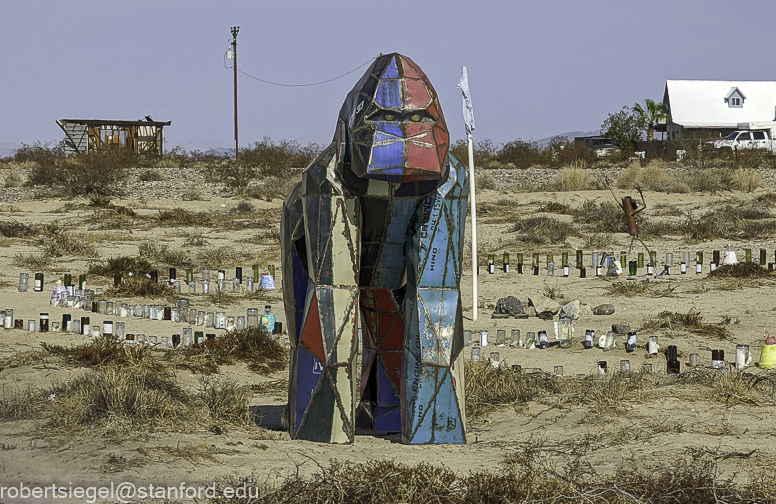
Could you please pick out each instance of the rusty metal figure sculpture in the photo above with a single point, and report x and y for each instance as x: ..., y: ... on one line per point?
x: 631, y: 207
x: 374, y: 234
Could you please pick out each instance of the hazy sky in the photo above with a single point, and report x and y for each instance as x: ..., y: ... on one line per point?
x: 536, y: 68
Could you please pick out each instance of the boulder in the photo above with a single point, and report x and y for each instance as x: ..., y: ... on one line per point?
x: 509, y: 306
x: 547, y: 308
x: 621, y: 328
x: 571, y: 310
x: 604, y: 309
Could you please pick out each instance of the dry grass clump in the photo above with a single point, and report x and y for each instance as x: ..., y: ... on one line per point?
x: 225, y: 399
x: 152, y: 175
x: 692, y: 322
x: 253, y: 346
x: 106, y: 352
x: 556, y: 207
x: 13, y: 229
x: 142, y: 287
x: 488, y: 388
x: 530, y: 475
x: 746, y: 180
x: 164, y: 254
x: 183, y: 217
x: 577, y: 179
x: 271, y: 187
x: 221, y: 257
x: 544, y: 230
x: 23, y: 405
x: 643, y: 287
x: 740, y: 270
x: 733, y: 222
x: 602, y: 217
x: 651, y: 178
x: 32, y: 261
x: 124, y: 265
x: 732, y: 388
x: 486, y: 181
x: 609, y: 395
x: 58, y: 243
x: 120, y: 399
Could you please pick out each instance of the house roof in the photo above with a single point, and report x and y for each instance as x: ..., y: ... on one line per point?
x: 703, y: 103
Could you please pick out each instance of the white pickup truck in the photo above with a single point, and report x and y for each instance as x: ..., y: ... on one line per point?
x: 754, y: 135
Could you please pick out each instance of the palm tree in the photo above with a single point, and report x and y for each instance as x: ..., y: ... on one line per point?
x: 649, y: 115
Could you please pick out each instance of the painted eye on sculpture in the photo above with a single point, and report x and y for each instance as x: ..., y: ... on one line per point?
x: 390, y: 117
x: 416, y: 117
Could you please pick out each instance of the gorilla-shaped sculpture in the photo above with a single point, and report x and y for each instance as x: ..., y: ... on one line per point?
x: 376, y: 229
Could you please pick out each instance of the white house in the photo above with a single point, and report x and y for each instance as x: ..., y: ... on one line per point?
x: 706, y: 108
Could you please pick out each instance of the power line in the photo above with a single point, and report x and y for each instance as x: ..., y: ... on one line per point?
x: 311, y: 83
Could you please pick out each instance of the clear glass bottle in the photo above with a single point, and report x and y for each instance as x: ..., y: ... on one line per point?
x: 565, y: 331
x: 38, y: 285
x: 240, y: 323
x: 220, y: 320
x: 253, y: 317
x: 188, y: 336
x: 24, y: 282
x: 44, y: 322
x: 8, y: 318
x: 501, y: 337
x: 107, y: 328
x: 543, y: 341
x: 467, y: 338
x: 119, y: 332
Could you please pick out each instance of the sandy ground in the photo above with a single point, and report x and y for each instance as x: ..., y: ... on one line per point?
x: 647, y: 431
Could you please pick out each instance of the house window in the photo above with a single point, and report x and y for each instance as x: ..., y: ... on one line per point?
x: 735, y: 102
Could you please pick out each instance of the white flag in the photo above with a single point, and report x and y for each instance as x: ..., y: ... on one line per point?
x: 466, y: 99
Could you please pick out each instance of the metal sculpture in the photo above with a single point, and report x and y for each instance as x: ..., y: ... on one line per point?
x: 631, y: 207
x: 375, y: 231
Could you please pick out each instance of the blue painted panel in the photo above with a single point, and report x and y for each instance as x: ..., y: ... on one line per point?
x: 387, y: 156
x: 308, y: 373
x: 391, y: 128
x: 386, y: 394
x: 401, y: 214
x: 447, y: 423
x: 387, y: 419
x: 389, y: 94
x: 391, y: 71
x: 392, y: 256
x: 421, y: 429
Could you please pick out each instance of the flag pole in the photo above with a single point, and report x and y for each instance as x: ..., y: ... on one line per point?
x: 473, y: 204
x: 468, y: 120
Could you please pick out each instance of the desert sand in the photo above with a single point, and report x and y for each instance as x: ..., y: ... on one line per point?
x: 665, y: 422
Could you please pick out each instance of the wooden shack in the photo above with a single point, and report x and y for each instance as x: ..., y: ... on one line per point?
x: 84, y: 135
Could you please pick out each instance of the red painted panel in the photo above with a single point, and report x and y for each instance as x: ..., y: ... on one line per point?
x: 416, y: 94
x: 311, y: 334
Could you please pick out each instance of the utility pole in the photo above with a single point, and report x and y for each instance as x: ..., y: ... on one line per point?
x: 235, y: 29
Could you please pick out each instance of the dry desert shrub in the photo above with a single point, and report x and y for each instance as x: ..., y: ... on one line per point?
x: 556, y: 207
x: 692, y: 322
x: 253, y: 345
x: 487, y: 181
x: 106, y: 352
x: 544, y: 230
x: 733, y: 388
x: 153, y: 175
x: 220, y: 257
x: 123, y: 265
x: 56, y: 242
x: 741, y: 270
x: 162, y: 253
x: 577, y: 179
x: 142, y: 287
x: 643, y: 287
x: 31, y: 261
x: 746, y: 179
x: 531, y: 475
x: 651, y: 178
x: 225, y: 399
x: 488, y: 388
x: 14, y: 229
x: 602, y: 217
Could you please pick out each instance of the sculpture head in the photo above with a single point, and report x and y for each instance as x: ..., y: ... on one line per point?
x: 391, y: 126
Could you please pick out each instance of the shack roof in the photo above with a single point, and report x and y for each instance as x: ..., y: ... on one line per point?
x: 106, y: 122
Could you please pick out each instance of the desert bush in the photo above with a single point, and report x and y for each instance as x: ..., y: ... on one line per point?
x: 152, y: 175
x: 254, y: 346
x: 275, y: 159
x: 271, y: 187
x: 488, y: 388
x: 124, y: 265
x: 106, y: 352
x: 56, y: 242
x: 13, y: 179
x: 746, y: 179
x: 142, y: 286
x: 692, y: 322
x: 14, y: 229
x: 225, y: 399
x: 520, y: 154
x: 31, y: 261
x: 100, y: 172
x: 485, y: 153
x: 602, y: 217
x: 486, y: 181
x: 38, y: 153
x: 651, y: 178
x: 563, y: 152
x: 220, y: 257
x: 708, y: 180
x: 577, y: 179
x: 234, y: 174
x: 544, y: 230
x: 701, y: 155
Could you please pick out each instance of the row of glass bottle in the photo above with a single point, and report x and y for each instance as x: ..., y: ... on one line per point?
x: 599, y: 262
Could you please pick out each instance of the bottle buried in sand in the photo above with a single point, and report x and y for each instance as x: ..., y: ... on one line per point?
x: 672, y: 361
x: 589, y: 335
x: 602, y: 367
x: 543, y: 341
x: 565, y: 330
x: 606, y: 341
x: 743, y: 357
x: 483, y: 338
x: 630, y: 344
x: 653, y: 347
x: 476, y: 352
x: 718, y: 359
